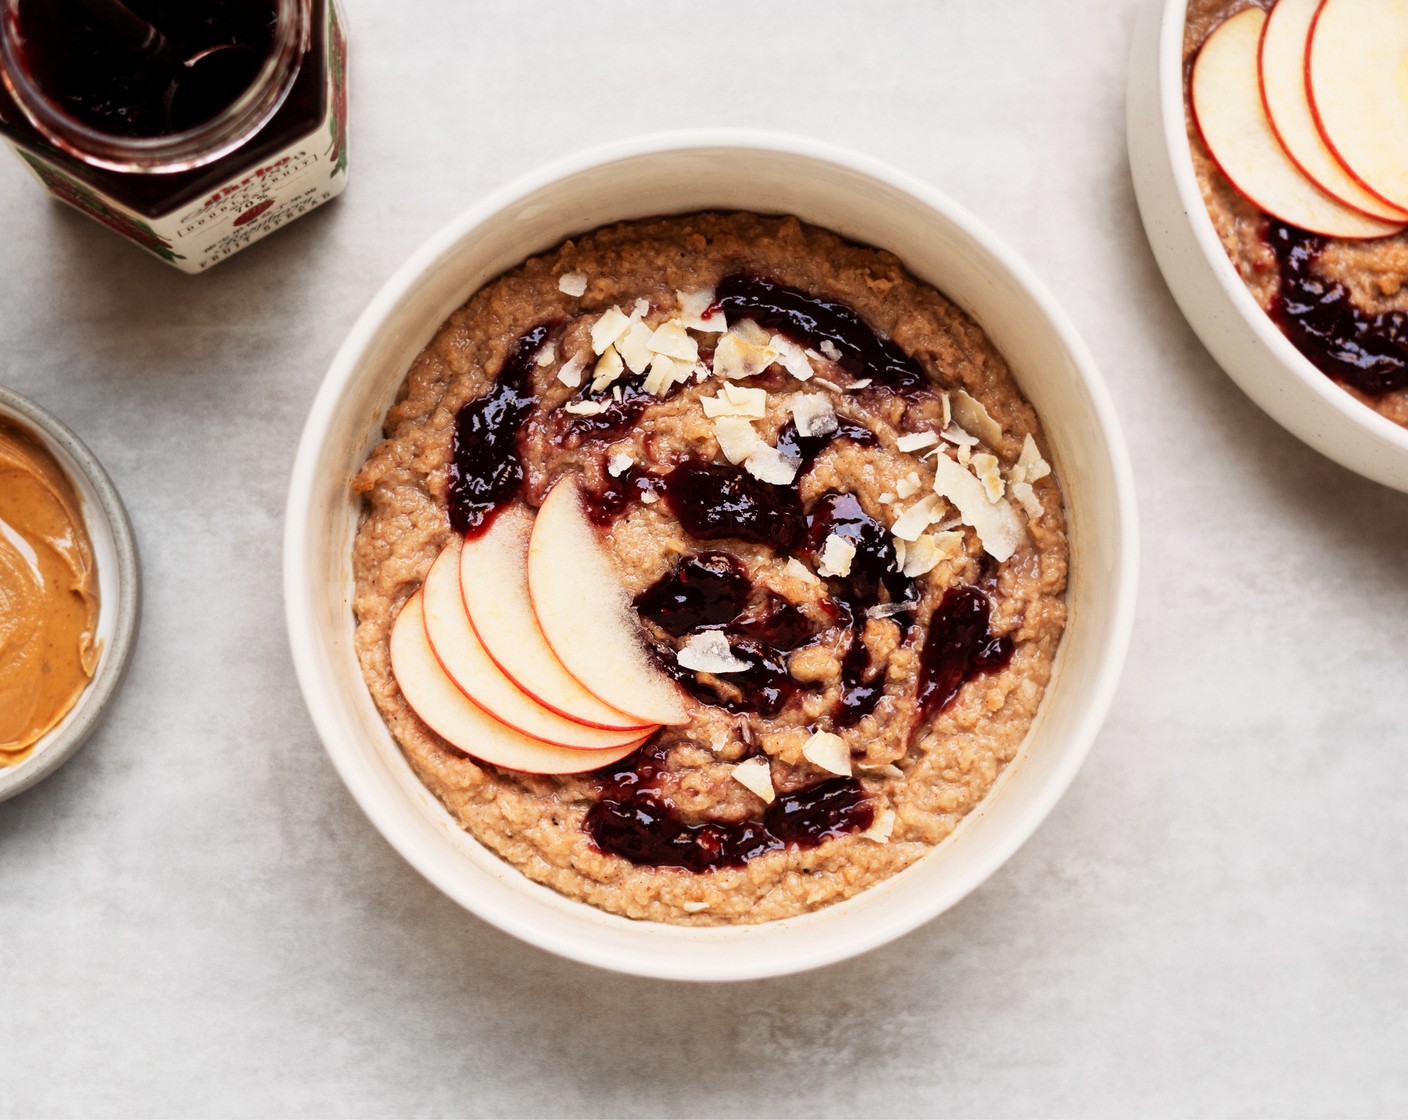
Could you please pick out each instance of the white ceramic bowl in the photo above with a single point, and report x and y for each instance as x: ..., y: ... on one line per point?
x: 679, y: 173
x: 1218, y: 306
x: 119, y: 590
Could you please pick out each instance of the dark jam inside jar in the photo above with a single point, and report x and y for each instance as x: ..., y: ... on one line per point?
x: 81, y: 64
x: 82, y: 72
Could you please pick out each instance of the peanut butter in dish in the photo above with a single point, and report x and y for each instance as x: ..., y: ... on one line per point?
x: 48, y: 595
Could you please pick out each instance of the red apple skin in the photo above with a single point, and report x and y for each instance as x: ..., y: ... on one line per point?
x: 649, y: 694
x: 447, y: 712
x: 1397, y: 204
x: 465, y: 661
x: 546, y: 680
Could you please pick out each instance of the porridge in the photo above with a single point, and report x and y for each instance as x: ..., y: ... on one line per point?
x: 1338, y: 296
x: 786, y: 528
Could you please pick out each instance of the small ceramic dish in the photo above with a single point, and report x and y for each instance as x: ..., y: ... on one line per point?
x: 119, y: 590
x: 1237, y: 332
x: 672, y: 174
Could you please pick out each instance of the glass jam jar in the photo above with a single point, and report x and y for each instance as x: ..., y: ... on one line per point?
x: 191, y: 170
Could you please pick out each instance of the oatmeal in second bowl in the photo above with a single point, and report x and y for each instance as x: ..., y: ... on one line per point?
x: 711, y: 571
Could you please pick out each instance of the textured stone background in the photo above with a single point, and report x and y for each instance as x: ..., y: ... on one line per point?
x: 196, y: 919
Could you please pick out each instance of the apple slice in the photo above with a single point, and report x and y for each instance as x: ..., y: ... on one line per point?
x: 1226, y: 102
x: 1357, y: 71
x: 494, y: 583
x: 1283, y: 89
x: 450, y: 714
x: 585, y: 615
x: 463, y: 657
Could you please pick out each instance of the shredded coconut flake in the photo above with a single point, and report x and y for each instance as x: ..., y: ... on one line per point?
x: 972, y: 415
x: 755, y: 775
x: 917, y: 441
x: 792, y: 358
x: 985, y: 466
x: 608, y: 368
x: 694, y: 907
x: 693, y: 308
x: 916, y: 518
x: 585, y: 408
x: 573, y: 284
x: 619, y: 464
x: 672, y: 340
x: 857, y: 386
x: 889, y: 610
x: 883, y: 827
x: 737, y: 439
x: 797, y: 570
x: 610, y: 326
x: 813, y: 414
x: 1030, y: 466
x: 734, y: 400
x: 996, y: 523
x: 1027, y: 499
x: 768, y: 464
x: 709, y: 652
x: 547, y: 354
x: 837, y: 553
x: 958, y: 437
x: 831, y: 350
x: 921, y: 557
x: 572, y: 370
x: 634, y: 348
x: 908, y: 486
x: 735, y: 358
x: 828, y: 751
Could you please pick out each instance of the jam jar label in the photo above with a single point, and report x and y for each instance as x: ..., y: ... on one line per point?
x: 259, y: 200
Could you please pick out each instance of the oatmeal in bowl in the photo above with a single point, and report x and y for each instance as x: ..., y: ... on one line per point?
x: 832, y: 551
x: 713, y: 572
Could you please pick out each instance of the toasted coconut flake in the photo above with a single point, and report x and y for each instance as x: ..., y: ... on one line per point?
x: 768, y: 464
x: 883, y: 827
x: 735, y: 358
x: 649, y: 497
x: 792, y: 358
x: 737, y: 439
x: 709, y: 652
x: 608, y: 368
x: 751, y: 333
x: 619, y: 464
x: 857, y: 386
x: 831, y: 350
x: 547, y: 354
x: 634, y: 348
x: 813, y: 414
x: 949, y: 543
x: 996, y: 523
x: 694, y: 307
x: 880, y: 769
x: 797, y: 570
x: 947, y: 404
x: 573, y: 284
x: 663, y: 373
x: 1030, y: 466
x: 901, y: 550
x: 572, y: 371
x: 672, y: 340
x: 973, y: 416
x: 734, y: 400
x: 921, y: 557
x: 826, y: 384
x: 958, y: 437
x: 909, y: 485
x: 916, y: 518
x: 985, y: 466
x: 829, y: 752
x: 837, y: 553
x: 889, y: 610
x: 585, y: 408
x: 917, y: 441
x: 755, y: 775
x: 610, y: 326
x: 886, y: 498
x: 694, y: 907
x: 1027, y: 499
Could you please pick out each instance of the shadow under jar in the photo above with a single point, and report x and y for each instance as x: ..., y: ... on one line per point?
x: 193, y: 147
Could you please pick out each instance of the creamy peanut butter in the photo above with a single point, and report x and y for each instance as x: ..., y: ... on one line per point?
x: 48, y: 595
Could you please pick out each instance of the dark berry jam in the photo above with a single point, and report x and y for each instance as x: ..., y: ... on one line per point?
x: 1366, y: 352
x: 960, y: 645
x: 634, y: 820
x: 805, y: 449
x: 625, y: 400
x: 706, y: 591
x: 716, y: 501
x: 485, y: 468
x: 617, y: 492
x: 819, y: 323
x: 776, y: 623
x: 81, y: 64
x: 873, y: 567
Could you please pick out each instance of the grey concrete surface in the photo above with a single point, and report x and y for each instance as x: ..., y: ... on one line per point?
x: 195, y: 919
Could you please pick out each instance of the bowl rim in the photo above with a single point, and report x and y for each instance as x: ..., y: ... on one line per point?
x: 302, y: 629
x: 62, y: 743
x: 1175, y: 137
